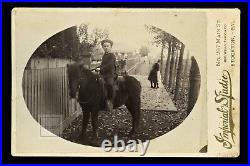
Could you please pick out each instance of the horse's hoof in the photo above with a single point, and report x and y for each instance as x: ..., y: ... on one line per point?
x: 94, y: 142
x: 83, y: 139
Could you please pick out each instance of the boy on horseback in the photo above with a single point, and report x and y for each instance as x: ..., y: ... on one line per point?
x: 108, y: 71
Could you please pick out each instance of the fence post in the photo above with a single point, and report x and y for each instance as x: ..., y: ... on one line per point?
x: 175, y: 71
x: 162, y: 50
x: 186, y: 68
x: 171, y: 69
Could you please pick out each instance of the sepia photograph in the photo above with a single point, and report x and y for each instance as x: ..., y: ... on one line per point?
x: 131, y: 81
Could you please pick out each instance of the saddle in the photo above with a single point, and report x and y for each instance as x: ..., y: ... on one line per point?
x: 118, y: 84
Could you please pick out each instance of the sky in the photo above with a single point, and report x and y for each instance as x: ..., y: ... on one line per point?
x: 127, y: 29
x: 127, y: 35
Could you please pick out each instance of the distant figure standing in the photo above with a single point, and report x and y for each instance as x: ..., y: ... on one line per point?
x: 154, y: 75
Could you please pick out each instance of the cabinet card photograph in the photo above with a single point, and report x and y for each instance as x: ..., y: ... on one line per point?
x: 125, y: 82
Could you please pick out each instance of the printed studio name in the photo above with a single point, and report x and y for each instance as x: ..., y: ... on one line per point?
x: 224, y: 98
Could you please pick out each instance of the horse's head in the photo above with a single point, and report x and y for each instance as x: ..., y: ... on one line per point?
x: 73, y: 79
x: 78, y: 75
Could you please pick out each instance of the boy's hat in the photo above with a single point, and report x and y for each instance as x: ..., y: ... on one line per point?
x: 107, y: 41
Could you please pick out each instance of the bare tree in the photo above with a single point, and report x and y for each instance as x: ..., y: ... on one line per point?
x: 166, y: 78
x: 175, y: 67
x: 89, y: 39
x: 160, y: 39
x: 186, y: 69
x: 174, y: 47
x: 171, y: 70
x: 179, y: 72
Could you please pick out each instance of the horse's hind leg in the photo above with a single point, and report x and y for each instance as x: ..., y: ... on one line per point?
x: 85, y: 121
x: 135, y: 113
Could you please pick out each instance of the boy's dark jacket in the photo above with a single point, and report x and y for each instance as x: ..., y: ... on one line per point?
x: 108, y: 65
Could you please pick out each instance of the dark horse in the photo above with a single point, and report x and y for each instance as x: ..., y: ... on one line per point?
x: 91, y: 95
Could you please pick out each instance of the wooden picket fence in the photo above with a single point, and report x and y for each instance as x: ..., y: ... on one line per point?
x: 46, y: 95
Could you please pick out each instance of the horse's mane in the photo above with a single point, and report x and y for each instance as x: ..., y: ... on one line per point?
x: 75, y: 70
x: 88, y: 72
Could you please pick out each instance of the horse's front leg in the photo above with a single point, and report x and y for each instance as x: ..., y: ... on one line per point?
x: 94, y: 121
